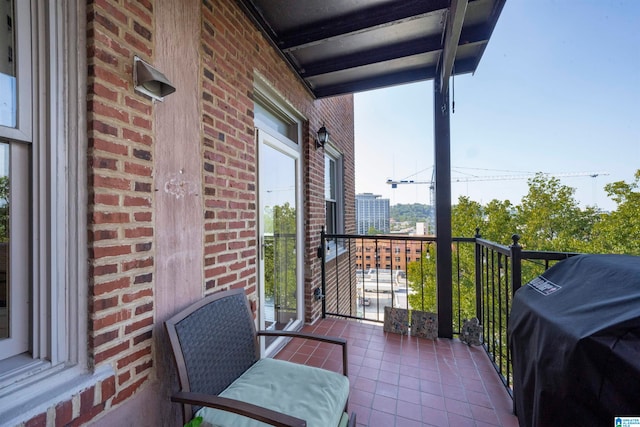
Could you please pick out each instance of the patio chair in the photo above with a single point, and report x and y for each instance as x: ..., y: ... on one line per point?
x: 224, y: 380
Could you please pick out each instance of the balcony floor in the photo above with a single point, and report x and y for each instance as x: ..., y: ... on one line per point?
x: 406, y: 381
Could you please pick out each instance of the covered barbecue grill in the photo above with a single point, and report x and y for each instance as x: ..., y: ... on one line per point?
x: 575, y: 338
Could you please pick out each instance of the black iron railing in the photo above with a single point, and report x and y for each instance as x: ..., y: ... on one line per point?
x: 364, y: 273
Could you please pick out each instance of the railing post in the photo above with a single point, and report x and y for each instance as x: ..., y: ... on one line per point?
x: 323, y: 274
x: 516, y: 263
x: 478, y: 275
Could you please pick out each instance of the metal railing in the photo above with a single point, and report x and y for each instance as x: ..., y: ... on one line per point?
x: 361, y: 274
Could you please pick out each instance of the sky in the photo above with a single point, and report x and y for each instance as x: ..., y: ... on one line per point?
x: 557, y: 91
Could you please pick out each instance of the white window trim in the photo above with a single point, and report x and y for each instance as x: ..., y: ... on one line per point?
x: 331, y: 251
x: 59, y: 367
x: 274, y: 103
x: 22, y: 20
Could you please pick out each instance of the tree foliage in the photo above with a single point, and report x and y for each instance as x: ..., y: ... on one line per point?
x: 547, y: 218
x: 414, y: 212
x: 619, y: 231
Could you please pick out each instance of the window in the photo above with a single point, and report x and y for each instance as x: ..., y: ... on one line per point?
x: 15, y: 146
x: 42, y: 202
x: 333, y: 195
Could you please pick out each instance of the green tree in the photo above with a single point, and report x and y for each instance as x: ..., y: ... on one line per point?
x: 372, y: 231
x: 618, y: 232
x: 279, y: 255
x: 499, y: 222
x: 549, y: 217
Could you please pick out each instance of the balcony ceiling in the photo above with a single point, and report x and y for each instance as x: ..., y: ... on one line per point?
x: 346, y: 46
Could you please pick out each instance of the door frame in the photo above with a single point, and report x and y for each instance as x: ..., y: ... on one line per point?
x: 291, y: 149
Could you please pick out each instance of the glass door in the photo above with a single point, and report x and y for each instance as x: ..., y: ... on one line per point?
x: 280, y: 291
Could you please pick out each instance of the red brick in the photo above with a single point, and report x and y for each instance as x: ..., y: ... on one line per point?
x: 144, y: 308
x: 131, y: 233
x: 137, y: 295
x: 37, y: 421
x: 111, y: 182
x: 137, y: 263
x: 104, y: 128
x: 134, y: 7
x: 103, y: 288
x: 143, y: 278
x: 107, y: 251
x: 111, y: 319
x: 105, y: 303
x: 138, y: 105
x: 138, y: 44
x: 124, y: 377
x: 104, y: 22
x: 137, y: 201
x: 143, y: 216
x: 110, y: 218
x: 144, y: 366
x: 128, y: 392
x: 108, y: 111
x: 113, y: 11
x: 111, y: 352
x: 125, y: 361
x: 107, y: 76
x: 103, y: 92
x: 104, y: 163
x: 137, y: 169
x: 105, y: 235
x: 102, y: 270
x: 64, y: 413
x: 108, y: 388
x: 132, y: 327
x: 86, y: 399
x: 104, y: 338
x: 134, y: 136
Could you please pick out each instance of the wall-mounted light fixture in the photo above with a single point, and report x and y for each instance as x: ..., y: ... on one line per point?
x: 322, y: 136
x: 150, y: 81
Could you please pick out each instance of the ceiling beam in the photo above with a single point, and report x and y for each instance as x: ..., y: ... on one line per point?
x: 360, y: 21
x: 477, y: 34
x: 453, y: 30
x: 390, y: 79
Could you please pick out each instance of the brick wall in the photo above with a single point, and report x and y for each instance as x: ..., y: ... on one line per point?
x: 121, y: 200
x: 123, y: 287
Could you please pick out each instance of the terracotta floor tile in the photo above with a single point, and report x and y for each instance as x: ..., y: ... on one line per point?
x: 406, y: 381
x: 388, y: 390
x: 409, y: 410
x: 384, y: 404
x: 381, y: 419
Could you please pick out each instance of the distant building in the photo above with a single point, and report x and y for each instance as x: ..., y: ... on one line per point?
x: 389, y: 255
x: 372, y: 211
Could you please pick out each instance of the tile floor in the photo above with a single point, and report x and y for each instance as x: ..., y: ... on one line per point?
x: 406, y: 381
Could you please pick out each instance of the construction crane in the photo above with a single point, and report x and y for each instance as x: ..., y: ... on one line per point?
x: 394, y: 183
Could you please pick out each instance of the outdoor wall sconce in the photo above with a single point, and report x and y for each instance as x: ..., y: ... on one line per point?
x: 322, y: 137
x: 150, y: 81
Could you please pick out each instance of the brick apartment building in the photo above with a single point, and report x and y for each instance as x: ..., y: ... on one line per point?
x: 389, y: 254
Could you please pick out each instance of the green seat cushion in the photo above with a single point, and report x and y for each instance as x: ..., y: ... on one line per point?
x: 316, y: 395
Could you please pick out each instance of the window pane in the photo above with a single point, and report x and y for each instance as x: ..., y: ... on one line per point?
x: 329, y: 178
x: 8, y: 100
x: 331, y: 217
x: 4, y: 240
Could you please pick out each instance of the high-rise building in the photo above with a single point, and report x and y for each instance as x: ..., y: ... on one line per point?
x: 372, y: 212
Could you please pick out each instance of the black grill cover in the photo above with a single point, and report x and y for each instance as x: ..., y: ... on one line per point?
x: 575, y: 338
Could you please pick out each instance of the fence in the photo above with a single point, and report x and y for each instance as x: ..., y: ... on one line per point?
x: 362, y: 274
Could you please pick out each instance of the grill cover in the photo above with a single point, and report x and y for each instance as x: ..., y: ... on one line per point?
x: 575, y: 336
